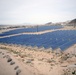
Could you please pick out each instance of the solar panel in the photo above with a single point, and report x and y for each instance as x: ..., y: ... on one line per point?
x: 34, y: 29
x: 62, y: 39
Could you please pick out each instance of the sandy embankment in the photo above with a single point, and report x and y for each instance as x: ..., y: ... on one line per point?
x: 39, y: 61
x: 8, y: 68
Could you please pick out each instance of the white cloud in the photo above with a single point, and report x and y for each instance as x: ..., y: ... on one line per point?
x: 36, y: 11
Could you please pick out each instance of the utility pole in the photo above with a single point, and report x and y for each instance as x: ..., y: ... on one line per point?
x: 74, y: 25
x: 37, y: 28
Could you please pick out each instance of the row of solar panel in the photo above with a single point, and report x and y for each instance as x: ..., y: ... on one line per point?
x: 57, y: 39
x: 35, y: 29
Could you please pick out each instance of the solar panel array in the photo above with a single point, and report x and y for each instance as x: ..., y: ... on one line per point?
x: 62, y: 39
x: 35, y: 29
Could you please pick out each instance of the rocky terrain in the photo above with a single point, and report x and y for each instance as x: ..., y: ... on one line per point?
x: 44, y: 62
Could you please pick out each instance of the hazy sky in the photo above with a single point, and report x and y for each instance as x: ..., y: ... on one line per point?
x: 36, y: 11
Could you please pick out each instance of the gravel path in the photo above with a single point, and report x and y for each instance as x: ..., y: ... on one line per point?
x: 11, y: 66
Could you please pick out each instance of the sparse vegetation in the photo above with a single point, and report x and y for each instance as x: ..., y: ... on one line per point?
x: 51, y: 60
x: 29, y: 60
x: 48, y: 58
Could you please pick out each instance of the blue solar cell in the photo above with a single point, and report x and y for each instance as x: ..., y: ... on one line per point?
x: 56, y: 39
x: 21, y: 30
x: 68, y: 44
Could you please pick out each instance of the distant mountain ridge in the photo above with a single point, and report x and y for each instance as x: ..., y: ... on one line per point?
x: 73, y: 21
x: 69, y: 22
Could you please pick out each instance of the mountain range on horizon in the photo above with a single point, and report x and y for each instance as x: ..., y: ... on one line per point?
x: 48, y: 23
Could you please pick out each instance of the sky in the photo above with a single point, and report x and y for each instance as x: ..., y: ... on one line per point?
x: 36, y: 11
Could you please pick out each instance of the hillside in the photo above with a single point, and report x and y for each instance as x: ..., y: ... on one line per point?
x: 73, y: 23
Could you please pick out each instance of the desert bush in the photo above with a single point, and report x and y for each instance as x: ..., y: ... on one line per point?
x: 29, y: 60
x: 70, y: 71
